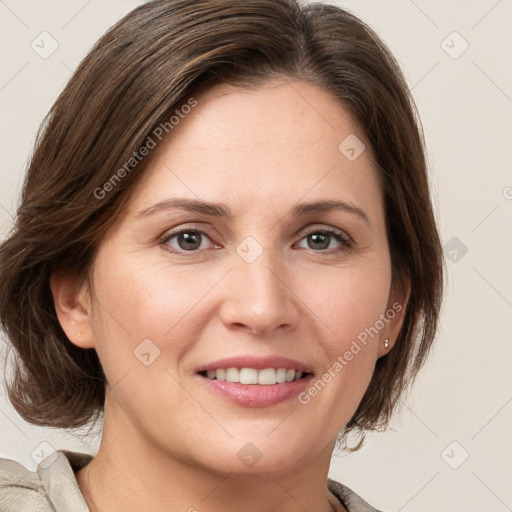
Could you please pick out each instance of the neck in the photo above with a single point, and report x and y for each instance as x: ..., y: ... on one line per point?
x: 131, y: 474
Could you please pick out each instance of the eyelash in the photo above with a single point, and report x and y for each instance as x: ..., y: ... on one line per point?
x: 343, y: 239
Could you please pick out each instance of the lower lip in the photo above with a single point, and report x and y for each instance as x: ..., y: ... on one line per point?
x: 256, y: 395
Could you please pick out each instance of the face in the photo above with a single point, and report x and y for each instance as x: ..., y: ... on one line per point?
x: 287, y: 268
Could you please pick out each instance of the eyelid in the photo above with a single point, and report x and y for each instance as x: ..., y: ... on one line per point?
x: 345, y: 242
x: 200, y: 228
x: 324, y: 227
x: 344, y: 239
x: 207, y: 230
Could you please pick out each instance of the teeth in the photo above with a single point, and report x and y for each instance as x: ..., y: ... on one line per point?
x: 266, y: 377
x: 248, y: 376
x: 281, y: 375
x: 232, y: 375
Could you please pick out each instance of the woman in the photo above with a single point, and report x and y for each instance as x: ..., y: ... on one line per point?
x: 225, y: 250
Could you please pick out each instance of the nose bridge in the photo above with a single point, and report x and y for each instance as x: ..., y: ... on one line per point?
x: 260, y: 298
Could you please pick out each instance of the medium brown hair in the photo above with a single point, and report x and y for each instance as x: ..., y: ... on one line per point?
x: 131, y: 82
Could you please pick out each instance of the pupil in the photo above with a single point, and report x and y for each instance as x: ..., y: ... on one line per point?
x: 190, y: 241
x: 319, y: 238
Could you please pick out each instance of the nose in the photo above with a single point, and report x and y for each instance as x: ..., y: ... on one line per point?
x: 259, y: 297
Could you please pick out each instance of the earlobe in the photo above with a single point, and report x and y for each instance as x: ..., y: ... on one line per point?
x: 395, y: 314
x: 73, y: 307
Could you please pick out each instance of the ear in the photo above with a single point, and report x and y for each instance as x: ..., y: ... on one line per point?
x: 395, y: 313
x: 72, y: 301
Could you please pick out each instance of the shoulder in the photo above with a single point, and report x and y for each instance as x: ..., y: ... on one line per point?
x: 352, y: 501
x: 19, y: 486
x: 51, y: 487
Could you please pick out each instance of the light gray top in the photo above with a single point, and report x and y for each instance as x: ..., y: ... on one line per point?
x: 53, y: 487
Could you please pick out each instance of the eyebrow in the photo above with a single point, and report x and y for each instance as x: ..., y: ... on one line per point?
x: 191, y: 205
x: 221, y: 210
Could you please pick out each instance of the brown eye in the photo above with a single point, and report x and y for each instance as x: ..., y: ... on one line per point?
x: 319, y: 241
x: 187, y: 240
x: 326, y: 240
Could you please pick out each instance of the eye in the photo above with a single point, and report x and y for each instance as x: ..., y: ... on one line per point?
x: 327, y: 239
x: 191, y: 239
x: 187, y: 240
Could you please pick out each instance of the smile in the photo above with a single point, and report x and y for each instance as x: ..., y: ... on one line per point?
x: 255, y: 381
x: 264, y: 377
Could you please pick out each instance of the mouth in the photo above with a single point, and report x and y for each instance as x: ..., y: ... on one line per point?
x: 253, y: 376
x: 255, y: 382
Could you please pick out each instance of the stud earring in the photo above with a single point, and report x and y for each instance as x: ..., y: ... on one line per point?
x: 386, y: 343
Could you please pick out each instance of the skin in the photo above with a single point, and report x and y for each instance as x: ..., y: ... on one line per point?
x: 168, y: 442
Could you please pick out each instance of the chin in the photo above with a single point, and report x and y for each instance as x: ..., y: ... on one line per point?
x: 242, y: 456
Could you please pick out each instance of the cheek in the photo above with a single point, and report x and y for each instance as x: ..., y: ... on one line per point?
x: 150, y: 301
x: 349, y: 303
x: 347, y: 300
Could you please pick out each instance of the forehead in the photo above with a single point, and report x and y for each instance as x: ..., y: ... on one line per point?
x: 274, y: 144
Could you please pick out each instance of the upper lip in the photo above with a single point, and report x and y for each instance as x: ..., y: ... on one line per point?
x: 258, y: 363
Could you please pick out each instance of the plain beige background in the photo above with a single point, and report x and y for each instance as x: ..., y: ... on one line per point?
x: 451, y: 447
